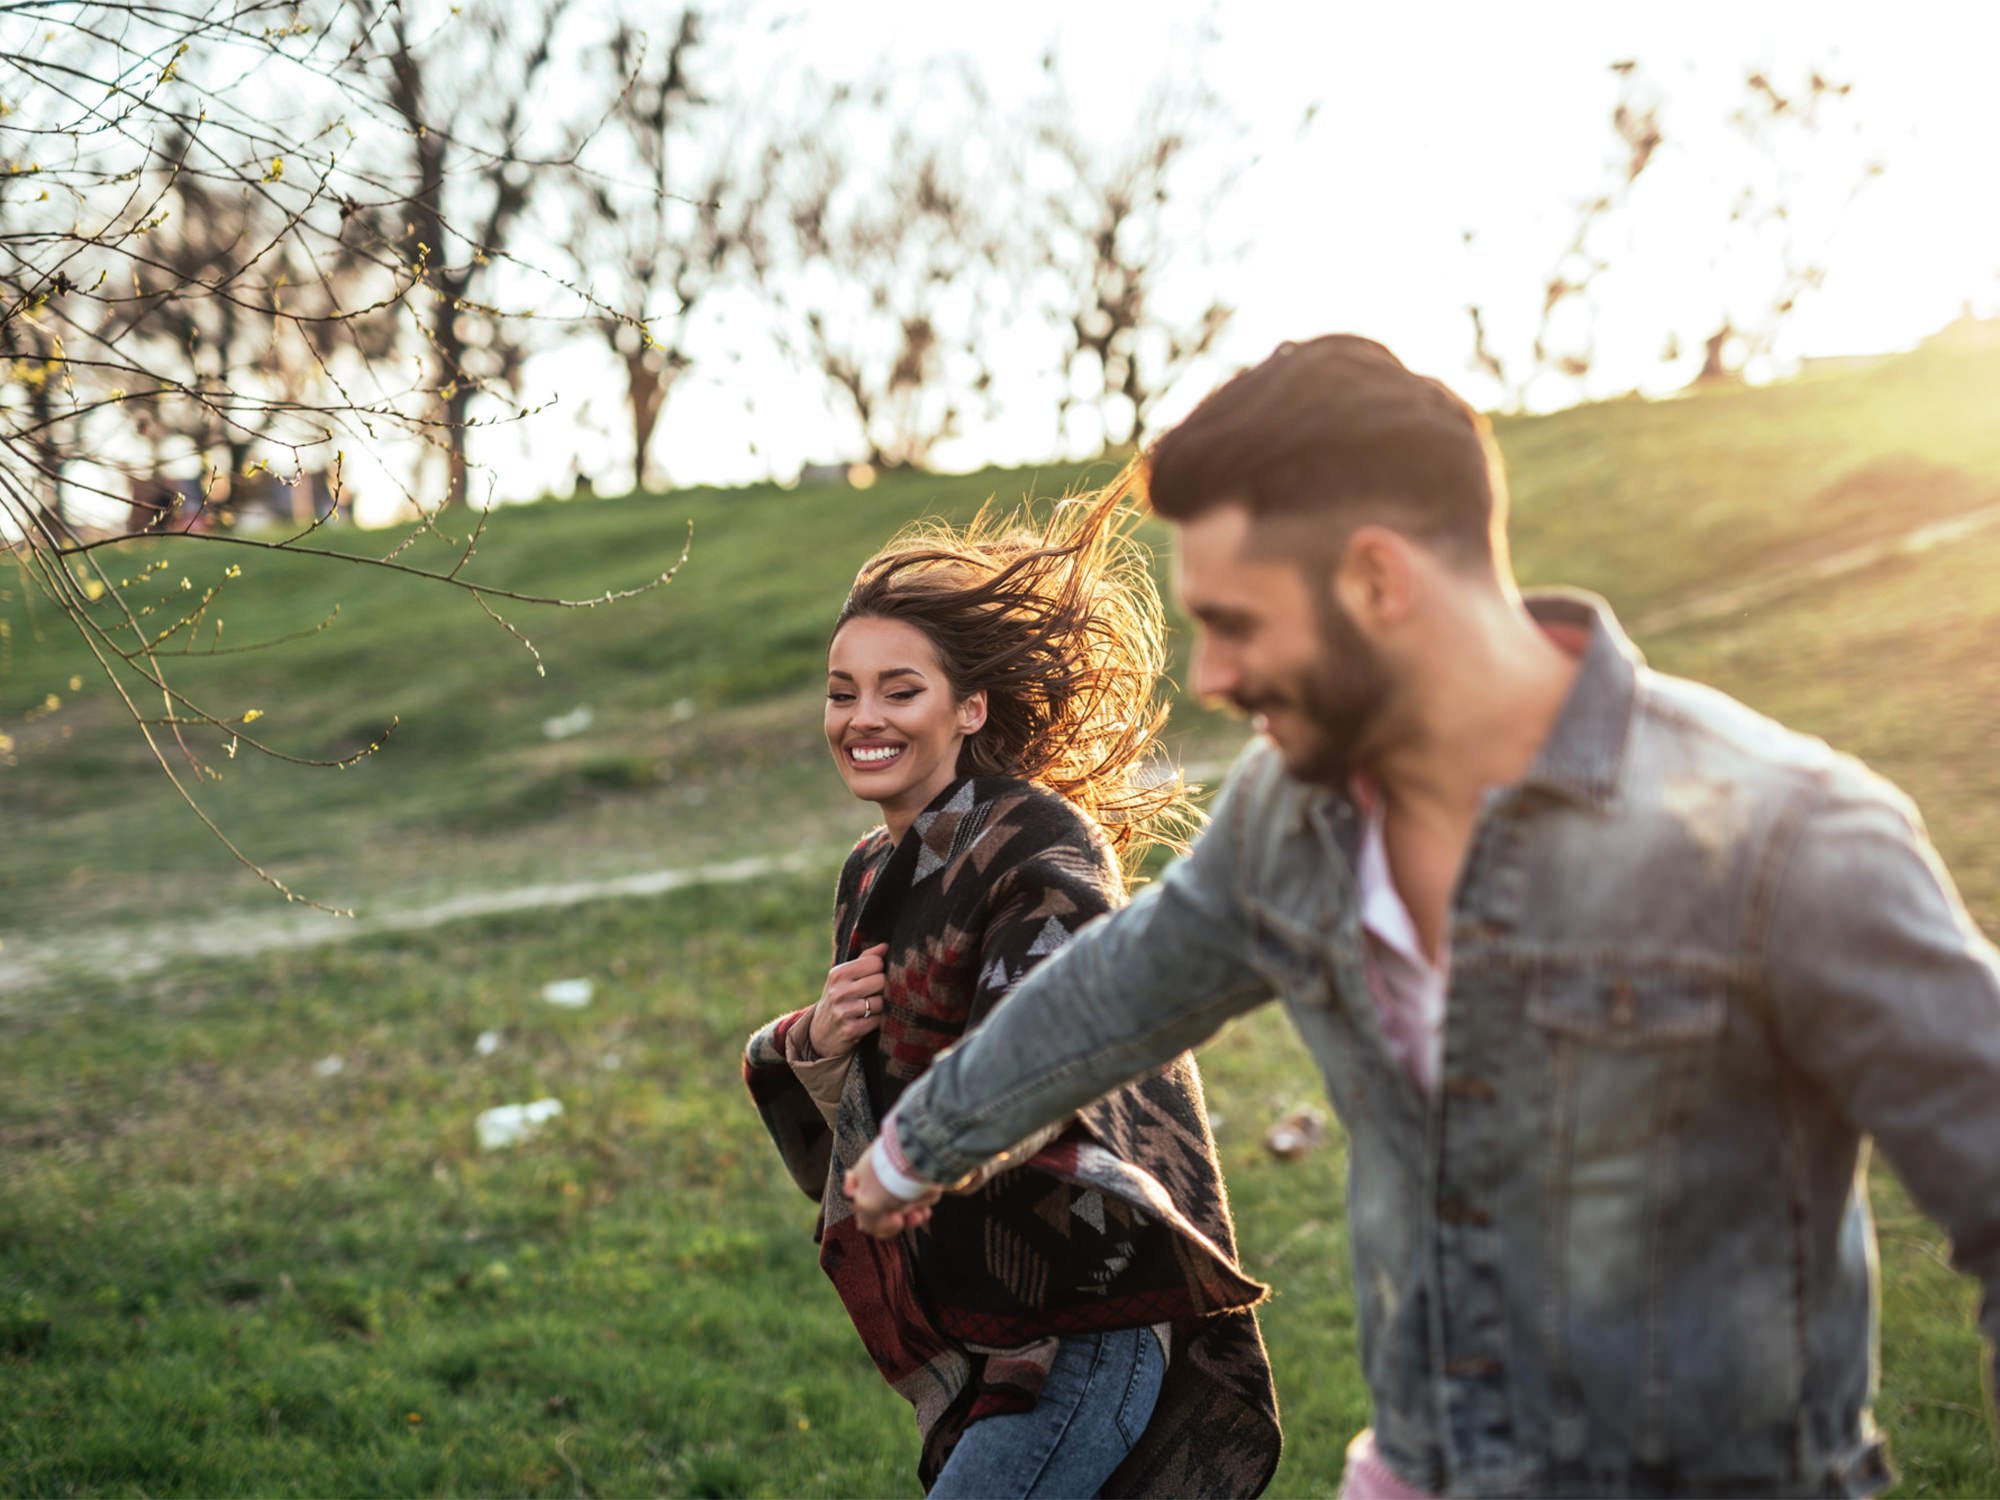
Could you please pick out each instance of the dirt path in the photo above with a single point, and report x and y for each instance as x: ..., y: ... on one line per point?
x: 125, y: 953
x: 116, y: 952
x: 1765, y: 587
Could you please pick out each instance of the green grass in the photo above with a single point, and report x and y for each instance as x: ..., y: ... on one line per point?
x: 225, y: 1273
x: 222, y: 1272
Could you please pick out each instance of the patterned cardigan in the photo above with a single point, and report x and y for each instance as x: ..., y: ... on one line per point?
x: 1117, y: 1220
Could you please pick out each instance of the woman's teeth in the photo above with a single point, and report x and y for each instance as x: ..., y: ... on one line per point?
x: 876, y: 757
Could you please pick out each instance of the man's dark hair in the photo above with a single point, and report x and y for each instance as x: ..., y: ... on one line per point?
x: 1337, y: 428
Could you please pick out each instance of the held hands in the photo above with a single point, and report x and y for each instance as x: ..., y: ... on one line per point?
x: 851, y: 1004
x: 877, y: 1210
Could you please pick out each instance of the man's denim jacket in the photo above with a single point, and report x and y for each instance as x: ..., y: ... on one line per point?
x: 1696, y: 961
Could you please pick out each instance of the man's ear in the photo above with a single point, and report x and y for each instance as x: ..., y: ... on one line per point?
x: 972, y: 712
x: 1375, y: 581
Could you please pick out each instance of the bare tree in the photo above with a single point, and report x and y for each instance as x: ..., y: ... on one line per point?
x: 476, y: 155
x: 886, y: 272
x: 659, y: 248
x: 1785, y: 130
x: 1760, y: 213
x: 1111, y: 223
x: 125, y: 344
x: 1572, y: 351
x: 238, y: 303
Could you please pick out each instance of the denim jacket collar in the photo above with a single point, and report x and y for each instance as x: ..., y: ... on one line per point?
x: 1583, y: 753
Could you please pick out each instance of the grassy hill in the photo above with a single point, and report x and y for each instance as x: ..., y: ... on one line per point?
x: 247, y: 1242
x: 703, y: 694
x: 698, y: 693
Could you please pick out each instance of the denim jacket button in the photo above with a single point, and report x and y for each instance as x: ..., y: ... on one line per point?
x: 1624, y: 1007
x: 1465, y: 1086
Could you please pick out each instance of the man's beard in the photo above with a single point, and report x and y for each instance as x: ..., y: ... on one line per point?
x: 1337, y: 701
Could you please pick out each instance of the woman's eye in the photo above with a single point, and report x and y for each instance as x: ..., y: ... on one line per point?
x: 905, y: 696
x: 840, y: 697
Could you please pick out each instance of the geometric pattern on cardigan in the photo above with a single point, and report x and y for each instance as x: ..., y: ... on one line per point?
x: 1120, y: 1221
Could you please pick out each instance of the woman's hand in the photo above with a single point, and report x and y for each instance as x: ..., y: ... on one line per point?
x: 851, y: 1004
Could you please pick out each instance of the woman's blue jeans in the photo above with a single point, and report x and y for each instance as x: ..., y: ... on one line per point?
x: 1098, y: 1399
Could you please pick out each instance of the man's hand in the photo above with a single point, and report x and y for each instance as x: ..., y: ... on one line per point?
x: 850, y: 1005
x: 877, y: 1210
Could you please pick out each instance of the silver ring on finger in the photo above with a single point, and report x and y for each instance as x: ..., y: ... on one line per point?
x: 867, y: 1009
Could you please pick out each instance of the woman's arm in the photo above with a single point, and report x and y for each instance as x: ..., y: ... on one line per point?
x: 796, y: 1066
x: 820, y: 1048
x: 804, y: 1139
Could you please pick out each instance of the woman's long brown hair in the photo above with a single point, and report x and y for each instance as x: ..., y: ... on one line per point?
x: 1056, y: 617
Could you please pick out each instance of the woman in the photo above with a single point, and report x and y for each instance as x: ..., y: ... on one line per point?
x: 1073, y: 1320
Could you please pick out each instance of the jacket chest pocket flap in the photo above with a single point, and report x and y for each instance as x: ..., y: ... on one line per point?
x: 1624, y: 1009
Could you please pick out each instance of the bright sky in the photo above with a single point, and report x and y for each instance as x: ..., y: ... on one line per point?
x: 1433, y: 120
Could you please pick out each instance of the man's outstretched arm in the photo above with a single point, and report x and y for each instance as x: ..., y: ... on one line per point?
x: 1130, y: 991
x: 1888, y: 993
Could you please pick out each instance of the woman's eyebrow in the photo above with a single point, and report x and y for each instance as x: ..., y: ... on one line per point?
x: 883, y: 676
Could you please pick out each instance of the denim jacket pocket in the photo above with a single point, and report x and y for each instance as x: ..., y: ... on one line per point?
x: 1627, y: 1326
x: 1621, y: 1008
x: 1622, y: 1050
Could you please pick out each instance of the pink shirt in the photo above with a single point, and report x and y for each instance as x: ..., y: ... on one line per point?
x: 1366, y: 1477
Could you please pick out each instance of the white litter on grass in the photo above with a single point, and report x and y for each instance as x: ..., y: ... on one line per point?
x: 573, y: 993
x: 1297, y: 1133
x: 509, y: 1124
x: 682, y: 710
x: 611, y: 1062
x: 562, y: 726
x: 488, y: 1043
x: 326, y: 1067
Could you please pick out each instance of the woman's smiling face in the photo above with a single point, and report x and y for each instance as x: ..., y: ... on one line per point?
x: 891, y: 720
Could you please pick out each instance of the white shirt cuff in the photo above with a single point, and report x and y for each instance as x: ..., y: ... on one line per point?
x: 890, y: 1170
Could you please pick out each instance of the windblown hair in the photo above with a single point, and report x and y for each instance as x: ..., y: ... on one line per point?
x: 1056, y: 617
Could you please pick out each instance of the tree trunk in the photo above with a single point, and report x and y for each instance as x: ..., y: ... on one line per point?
x: 426, y: 223
x: 1713, y: 369
x: 646, y: 396
x: 454, y: 399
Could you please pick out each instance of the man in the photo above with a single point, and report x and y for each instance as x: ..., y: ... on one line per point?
x: 1609, y: 978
